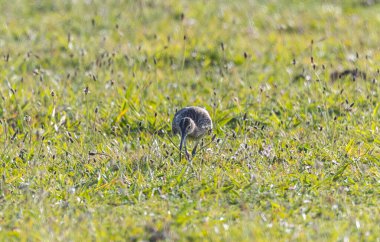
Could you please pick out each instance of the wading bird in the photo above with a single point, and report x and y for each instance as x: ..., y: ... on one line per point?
x: 192, y: 122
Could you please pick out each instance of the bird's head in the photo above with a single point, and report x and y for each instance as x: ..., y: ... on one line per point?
x: 186, y: 126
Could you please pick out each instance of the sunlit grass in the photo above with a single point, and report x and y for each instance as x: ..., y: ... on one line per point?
x: 88, y: 91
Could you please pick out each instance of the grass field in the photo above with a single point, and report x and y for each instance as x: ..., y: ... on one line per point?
x: 88, y: 90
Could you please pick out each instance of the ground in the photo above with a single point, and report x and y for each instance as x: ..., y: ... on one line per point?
x: 89, y: 88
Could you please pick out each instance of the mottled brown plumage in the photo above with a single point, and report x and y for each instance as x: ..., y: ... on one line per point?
x: 192, y: 122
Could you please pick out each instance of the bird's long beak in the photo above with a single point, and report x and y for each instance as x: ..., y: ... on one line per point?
x: 183, y: 140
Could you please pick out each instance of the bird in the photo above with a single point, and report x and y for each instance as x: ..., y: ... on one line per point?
x: 191, y: 122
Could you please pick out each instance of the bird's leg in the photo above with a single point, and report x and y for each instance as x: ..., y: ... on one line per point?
x: 195, y: 148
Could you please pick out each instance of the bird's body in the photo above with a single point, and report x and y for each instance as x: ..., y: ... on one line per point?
x: 192, y: 122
